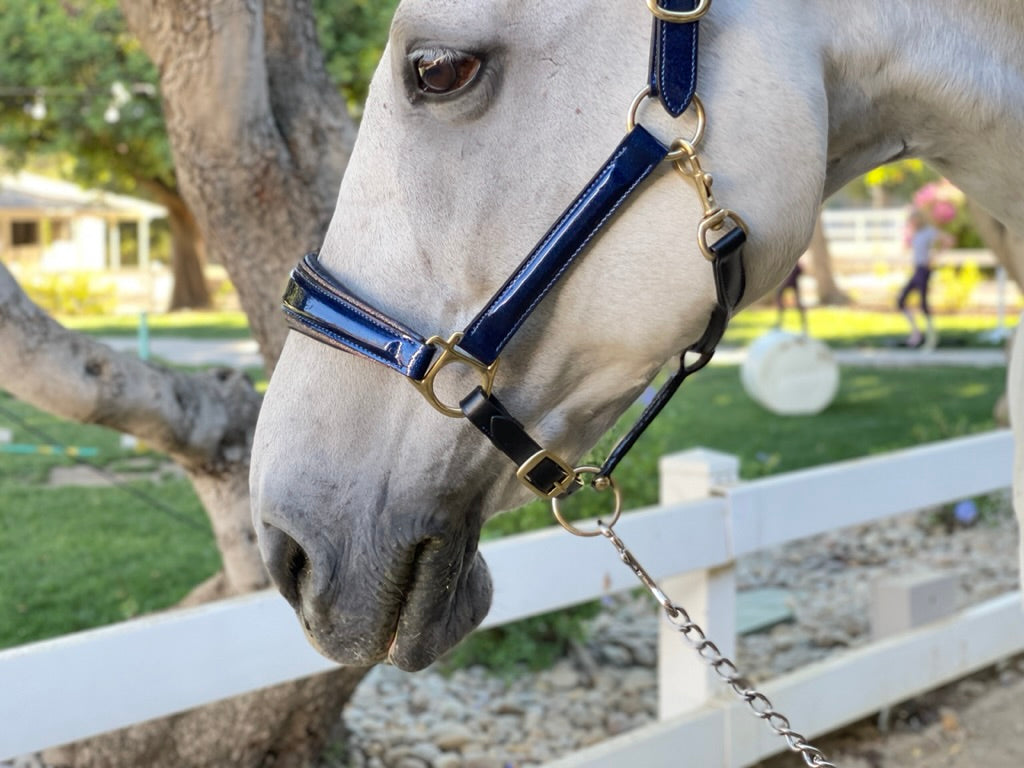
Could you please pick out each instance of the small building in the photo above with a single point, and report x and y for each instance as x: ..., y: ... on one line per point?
x: 57, y: 226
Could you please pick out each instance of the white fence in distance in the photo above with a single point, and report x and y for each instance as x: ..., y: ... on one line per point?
x: 79, y: 685
x: 862, y: 238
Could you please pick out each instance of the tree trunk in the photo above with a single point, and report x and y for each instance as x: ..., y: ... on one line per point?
x: 829, y: 292
x: 259, y: 135
x: 188, y: 260
x: 188, y: 256
x: 260, y: 140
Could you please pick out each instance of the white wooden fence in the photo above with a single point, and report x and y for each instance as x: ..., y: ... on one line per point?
x: 859, y: 239
x: 79, y: 685
x: 876, y: 232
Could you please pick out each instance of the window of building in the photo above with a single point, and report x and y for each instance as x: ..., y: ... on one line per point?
x: 24, y: 233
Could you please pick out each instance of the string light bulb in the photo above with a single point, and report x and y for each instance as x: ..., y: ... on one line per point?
x: 37, y: 109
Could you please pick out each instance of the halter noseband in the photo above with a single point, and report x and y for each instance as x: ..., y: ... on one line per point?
x: 320, y: 306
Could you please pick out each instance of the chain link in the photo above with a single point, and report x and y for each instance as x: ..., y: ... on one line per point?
x: 759, y: 704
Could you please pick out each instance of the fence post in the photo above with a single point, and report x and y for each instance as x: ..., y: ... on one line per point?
x: 685, y: 682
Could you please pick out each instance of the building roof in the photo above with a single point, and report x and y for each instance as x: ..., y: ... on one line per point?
x: 30, y: 195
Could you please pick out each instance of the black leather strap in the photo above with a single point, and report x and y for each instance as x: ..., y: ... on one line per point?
x: 730, y: 283
x: 489, y: 416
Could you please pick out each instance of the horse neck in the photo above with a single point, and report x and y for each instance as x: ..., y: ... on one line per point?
x: 938, y: 80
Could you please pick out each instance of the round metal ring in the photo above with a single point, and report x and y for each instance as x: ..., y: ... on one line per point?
x: 616, y: 512
x: 679, y: 17
x: 698, y: 132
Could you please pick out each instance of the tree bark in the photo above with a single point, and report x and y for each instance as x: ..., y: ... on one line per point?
x: 188, y: 253
x: 259, y: 135
x: 829, y: 292
x: 188, y: 259
x: 204, y: 421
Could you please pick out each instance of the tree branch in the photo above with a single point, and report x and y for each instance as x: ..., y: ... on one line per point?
x: 204, y: 420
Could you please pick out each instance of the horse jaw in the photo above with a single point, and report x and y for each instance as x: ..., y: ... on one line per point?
x: 367, y: 503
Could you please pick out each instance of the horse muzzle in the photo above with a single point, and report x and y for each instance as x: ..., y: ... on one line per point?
x: 396, y: 594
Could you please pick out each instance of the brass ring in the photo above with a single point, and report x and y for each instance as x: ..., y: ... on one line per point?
x: 698, y: 133
x: 616, y: 512
x: 679, y: 17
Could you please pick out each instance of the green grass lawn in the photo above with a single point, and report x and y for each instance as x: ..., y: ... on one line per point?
x: 72, y: 558
x: 78, y: 557
x: 852, y: 327
x: 191, y: 324
x: 837, y: 325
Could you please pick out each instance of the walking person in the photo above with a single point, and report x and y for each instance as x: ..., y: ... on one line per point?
x: 924, y: 240
x: 791, y: 283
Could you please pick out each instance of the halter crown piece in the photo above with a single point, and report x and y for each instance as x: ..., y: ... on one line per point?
x: 319, y: 305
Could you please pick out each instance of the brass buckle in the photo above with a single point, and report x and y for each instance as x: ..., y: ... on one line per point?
x: 531, y: 463
x: 449, y: 355
x: 679, y: 17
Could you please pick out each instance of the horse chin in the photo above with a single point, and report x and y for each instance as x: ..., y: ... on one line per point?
x: 436, y: 613
x: 432, y: 622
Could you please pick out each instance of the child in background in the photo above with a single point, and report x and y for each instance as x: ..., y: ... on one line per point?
x: 924, y: 239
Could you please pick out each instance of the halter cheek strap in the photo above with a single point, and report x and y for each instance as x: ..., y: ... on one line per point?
x: 322, y: 307
x: 633, y: 160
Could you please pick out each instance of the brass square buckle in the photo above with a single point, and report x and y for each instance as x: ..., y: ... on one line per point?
x: 560, y: 488
x: 679, y: 17
x: 451, y: 355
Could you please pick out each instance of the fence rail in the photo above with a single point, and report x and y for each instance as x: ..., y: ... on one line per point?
x: 866, y: 237
x: 79, y: 685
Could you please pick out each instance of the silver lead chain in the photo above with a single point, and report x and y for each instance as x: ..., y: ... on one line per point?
x: 759, y: 704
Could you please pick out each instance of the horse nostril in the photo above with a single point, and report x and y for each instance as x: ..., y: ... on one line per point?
x: 287, y: 563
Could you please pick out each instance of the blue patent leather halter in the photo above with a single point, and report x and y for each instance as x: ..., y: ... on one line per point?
x: 322, y: 307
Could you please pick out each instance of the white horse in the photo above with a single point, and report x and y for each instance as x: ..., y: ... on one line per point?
x: 484, y: 119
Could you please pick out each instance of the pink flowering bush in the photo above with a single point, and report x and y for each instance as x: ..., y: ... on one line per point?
x: 944, y: 206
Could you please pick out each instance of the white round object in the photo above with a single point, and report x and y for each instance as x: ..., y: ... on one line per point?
x: 790, y: 375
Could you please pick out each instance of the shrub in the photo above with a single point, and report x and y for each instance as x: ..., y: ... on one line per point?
x: 957, y: 284
x: 72, y: 293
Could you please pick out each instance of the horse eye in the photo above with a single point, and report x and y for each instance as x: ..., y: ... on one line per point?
x: 446, y: 72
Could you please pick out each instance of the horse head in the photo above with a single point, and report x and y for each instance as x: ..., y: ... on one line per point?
x: 484, y: 120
